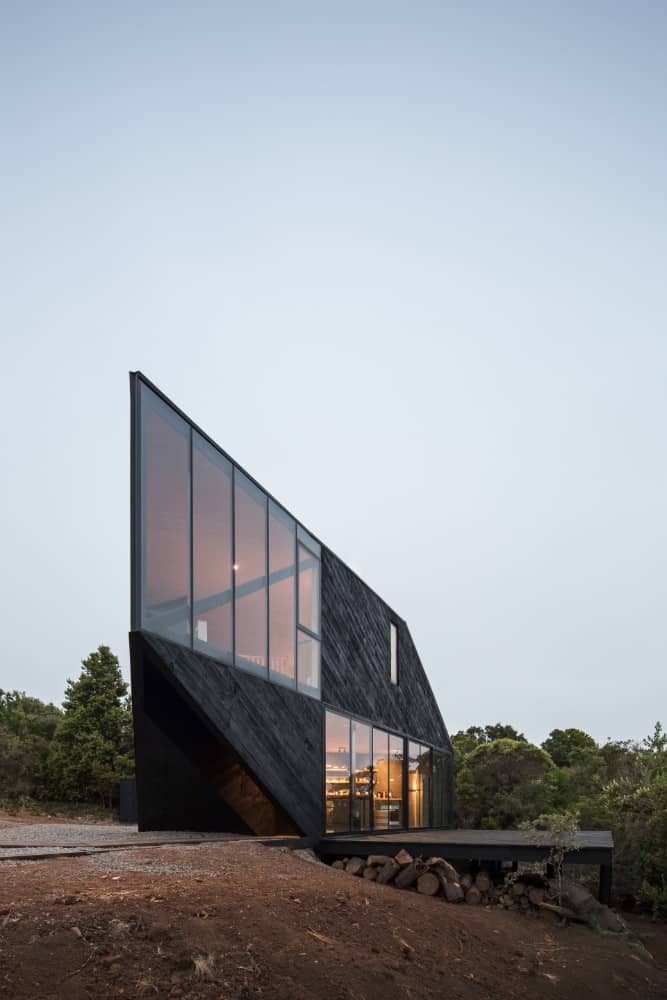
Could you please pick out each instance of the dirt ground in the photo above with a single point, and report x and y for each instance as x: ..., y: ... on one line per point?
x: 239, y: 920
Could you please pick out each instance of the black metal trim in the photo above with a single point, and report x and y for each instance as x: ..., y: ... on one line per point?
x: 346, y: 844
x: 267, y: 588
x: 233, y: 548
x: 191, y: 518
x: 135, y: 512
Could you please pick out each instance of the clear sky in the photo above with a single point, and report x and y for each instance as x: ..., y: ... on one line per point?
x: 406, y: 263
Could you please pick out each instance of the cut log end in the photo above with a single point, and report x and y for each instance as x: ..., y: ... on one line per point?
x: 428, y: 884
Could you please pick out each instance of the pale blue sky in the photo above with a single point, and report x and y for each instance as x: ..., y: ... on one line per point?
x: 406, y: 263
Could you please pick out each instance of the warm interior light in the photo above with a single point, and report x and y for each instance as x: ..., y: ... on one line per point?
x: 235, y: 566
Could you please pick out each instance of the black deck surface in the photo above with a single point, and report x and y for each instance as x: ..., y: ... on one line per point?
x: 592, y: 846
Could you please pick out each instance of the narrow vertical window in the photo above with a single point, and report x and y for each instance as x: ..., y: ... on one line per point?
x: 426, y: 770
x: 380, y: 779
x: 415, y: 790
x: 165, y: 520
x: 337, y: 767
x: 308, y: 614
x: 361, y: 776
x: 419, y: 785
x: 393, y: 644
x: 282, y: 596
x: 211, y: 548
x: 309, y: 590
x: 441, y: 766
x: 250, y: 575
x: 396, y: 754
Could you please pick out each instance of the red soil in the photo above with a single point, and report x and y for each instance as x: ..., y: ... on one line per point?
x: 239, y: 920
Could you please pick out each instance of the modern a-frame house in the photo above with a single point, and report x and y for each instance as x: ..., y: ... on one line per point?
x: 273, y: 691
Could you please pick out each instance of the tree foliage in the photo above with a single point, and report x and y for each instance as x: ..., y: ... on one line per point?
x: 464, y: 742
x: 621, y: 785
x: 27, y: 726
x: 566, y: 745
x: 502, y: 783
x: 92, y: 745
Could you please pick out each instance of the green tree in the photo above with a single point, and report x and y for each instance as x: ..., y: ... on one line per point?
x: 637, y: 804
x: 503, y: 783
x: 464, y: 742
x: 92, y: 745
x: 27, y: 726
x: 564, y: 745
x: 501, y: 732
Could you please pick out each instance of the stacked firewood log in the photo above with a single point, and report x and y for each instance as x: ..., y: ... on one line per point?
x: 529, y: 893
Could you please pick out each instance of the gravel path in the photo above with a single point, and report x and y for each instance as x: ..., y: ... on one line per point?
x: 77, y: 835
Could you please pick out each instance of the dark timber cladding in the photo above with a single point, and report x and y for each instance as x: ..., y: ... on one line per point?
x: 274, y: 692
x: 355, y: 659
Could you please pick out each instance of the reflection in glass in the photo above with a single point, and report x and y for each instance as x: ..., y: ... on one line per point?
x: 419, y: 785
x: 309, y: 590
x: 337, y: 767
x: 380, y: 779
x: 361, y: 776
x: 308, y: 663
x: 396, y: 765
x: 165, y: 491
x: 441, y: 777
x: 426, y: 771
x: 212, y: 548
x: 308, y: 541
x: 250, y: 575
x: 282, y: 587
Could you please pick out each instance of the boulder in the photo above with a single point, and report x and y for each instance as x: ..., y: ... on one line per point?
x: 575, y: 897
x: 607, y: 920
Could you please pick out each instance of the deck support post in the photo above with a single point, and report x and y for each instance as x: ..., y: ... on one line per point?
x: 604, y: 890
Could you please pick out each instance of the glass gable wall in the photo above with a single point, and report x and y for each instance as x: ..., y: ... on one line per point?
x: 211, y: 548
x: 367, y: 779
x: 165, y: 521
x: 221, y: 567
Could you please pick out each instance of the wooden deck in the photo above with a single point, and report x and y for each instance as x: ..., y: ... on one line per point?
x: 593, y: 847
